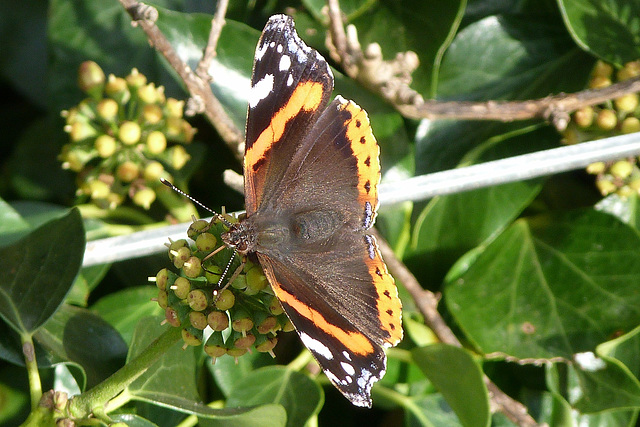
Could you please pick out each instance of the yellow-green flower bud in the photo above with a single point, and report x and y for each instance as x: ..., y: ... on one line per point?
x: 198, y: 320
x: 192, y: 267
x: 602, y: 69
x: 107, y: 109
x: 136, y: 79
x: 175, y: 108
x: 198, y: 299
x: 105, y: 145
x: 606, y: 119
x: 152, y: 113
x: 630, y: 69
x: 218, y: 320
x: 599, y: 82
x: 128, y: 171
x: 91, y: 79
x: 256, y: 279
x: 225, y: 300
x: 114, y: 200
x: 153, y: 171
x: 148, y: 93
x: 162, y: 278
x: 630, y: 125
x: 627, y: 103
x: 206, y: 242
x: 606, y: 186
x: 99, y: 189
x: 129, y: 133
x: 621, y: 169
x: 179, y: 157
x: 596, y: 168
x: 163, y: 299
x: 583, y: 117
x: 117, y: 89
x: 181, y: 287
x: 144, y: 197
x: 190, y: 338
x: 156, y: 142
x: 80, y: 131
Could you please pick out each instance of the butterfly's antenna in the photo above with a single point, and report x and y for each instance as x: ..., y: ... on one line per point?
x: 179, y: 191
x: 233, y: 277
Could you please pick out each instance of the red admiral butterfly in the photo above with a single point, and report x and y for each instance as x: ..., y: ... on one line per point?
x: 311, y: 187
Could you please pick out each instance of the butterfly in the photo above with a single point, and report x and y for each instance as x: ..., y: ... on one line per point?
x: 312, y: 171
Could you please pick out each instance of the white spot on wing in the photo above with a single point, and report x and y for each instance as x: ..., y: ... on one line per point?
x: 279, y: 48
x: 290, y: 80
x: 260, y: 51
x: 261, y: 90
x: 285, y: 63
x: 348, y: 368
x: 316, y: 346
x: 346, y: 355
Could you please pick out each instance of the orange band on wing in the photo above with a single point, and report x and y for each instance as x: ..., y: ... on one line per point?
x: 354, y: 341
x: 307, y: 96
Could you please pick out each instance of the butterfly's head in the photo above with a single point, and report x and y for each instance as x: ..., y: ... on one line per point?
x: 241, y: 236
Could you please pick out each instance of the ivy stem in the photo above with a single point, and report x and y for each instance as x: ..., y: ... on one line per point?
x: 35, y: 385
x: 302, y: 360
x: 82, y: 406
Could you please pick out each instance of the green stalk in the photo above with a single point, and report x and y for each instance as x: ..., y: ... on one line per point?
x: 35, y: 385
x: 83, y: 405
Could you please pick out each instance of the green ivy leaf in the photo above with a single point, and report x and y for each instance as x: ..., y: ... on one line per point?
x: 12, y: 225
x: 78, y: 335
x: 608, y: 29
x: 278, y: 384
x: 460, y: 380
x: 509, y: 57
x: 550, y: 286
x: 125, y: 308
x: 37, y: 272
x: 227, y: 371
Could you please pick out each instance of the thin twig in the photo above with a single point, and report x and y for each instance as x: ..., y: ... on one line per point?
x: 506, y: 111
x: 214, y: 35
x: 145, y: 17
x: 427, y: 303
x: 338, y: 36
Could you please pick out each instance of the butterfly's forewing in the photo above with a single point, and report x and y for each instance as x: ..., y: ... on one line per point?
x: 290, y: 86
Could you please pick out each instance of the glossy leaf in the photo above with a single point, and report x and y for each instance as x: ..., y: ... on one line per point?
x: 550, y: 286
x: 507, y: 57
x: 125, y: 308
x: 227, y: 371
x: 451, y: 225
x: 606, y: 384
x: 608, y: 29
x: 460, y: 380
x: 12, y: 225
x: 278, y: 384
x: 37, y: 272
x: 173, y: 375
x: 78, y: 335
x: 430, y: 411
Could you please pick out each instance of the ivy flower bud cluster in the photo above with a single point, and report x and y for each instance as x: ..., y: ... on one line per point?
x: 238, y: 318
x: 620, y: 116
x: 123, y: 137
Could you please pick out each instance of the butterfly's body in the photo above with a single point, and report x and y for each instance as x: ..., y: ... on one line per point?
x: 311, y: 177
